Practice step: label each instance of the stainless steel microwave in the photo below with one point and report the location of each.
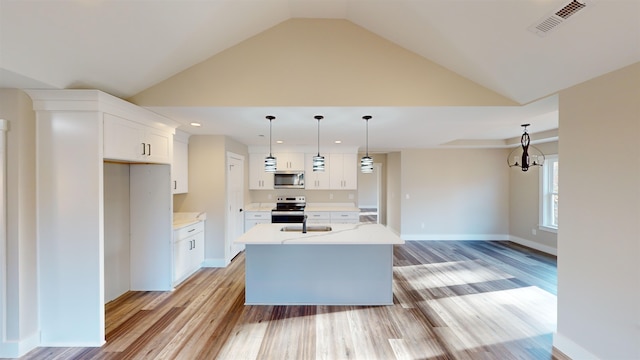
(288, 180)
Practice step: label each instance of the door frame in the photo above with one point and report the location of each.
(230, 235)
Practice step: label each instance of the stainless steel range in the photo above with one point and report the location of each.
(289, 209)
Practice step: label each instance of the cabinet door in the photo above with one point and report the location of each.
(344, 171)
(181, 264)
(316, 180)
(196, 254)
(180, 168)
(252, 218)
(290, 161)
(122, 139)
(159, 145)
(258, 178)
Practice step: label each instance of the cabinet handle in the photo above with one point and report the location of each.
(149, 146)
(191, 230)
(144, 149)
(175, 184)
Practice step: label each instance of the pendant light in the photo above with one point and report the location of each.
(318, 161)
(270, 161)
(526, 155)
(366, 163)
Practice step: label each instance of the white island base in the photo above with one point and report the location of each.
(351, 265)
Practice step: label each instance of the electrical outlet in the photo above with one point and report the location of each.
(330, 196)
(350, 196)
(533, 231)
(422, 225)
(407, 196)
(269, 196)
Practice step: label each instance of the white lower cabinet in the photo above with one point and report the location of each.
(345, 217)
(252, 218)
(318, 217)
(188, 251)
(332, 217)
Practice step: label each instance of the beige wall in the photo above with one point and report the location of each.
(454, 194)
(21, 279)
(394, 190)
(524, 201)
(317, 62)
(599, 241)
(208, 189)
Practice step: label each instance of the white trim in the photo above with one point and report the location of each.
(543, 182)
(16, 349)
(534, 245)
(570, 348)
(548, 229)
(453, 237)
(72, 344)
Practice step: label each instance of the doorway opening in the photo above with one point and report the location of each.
(370, 195)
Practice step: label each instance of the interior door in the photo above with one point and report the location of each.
(235, 202)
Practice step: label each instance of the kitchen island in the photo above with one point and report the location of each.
(352, 264)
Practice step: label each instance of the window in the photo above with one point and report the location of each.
(549, 194)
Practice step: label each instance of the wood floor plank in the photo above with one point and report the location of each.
(452, 300)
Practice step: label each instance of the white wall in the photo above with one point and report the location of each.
(117, 230)
(524, 200)
(21, 304)
(455, 194)
(599, 217)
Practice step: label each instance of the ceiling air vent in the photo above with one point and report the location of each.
(553, 20)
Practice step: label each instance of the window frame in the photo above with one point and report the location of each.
(547, 194)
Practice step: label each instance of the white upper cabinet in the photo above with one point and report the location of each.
(258, 178)
(290, 161)
(343, 171)
(131, 141)
(180, 164)
(316, 180)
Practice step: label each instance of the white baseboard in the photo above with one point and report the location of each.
(534, 245)
(453, 237)
(570, 348)
(16, 349)
(214, 263)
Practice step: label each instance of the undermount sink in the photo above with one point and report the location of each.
(310, 228)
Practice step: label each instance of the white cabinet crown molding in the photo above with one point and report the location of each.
(96, 100)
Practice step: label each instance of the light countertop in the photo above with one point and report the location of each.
(182, 219)
(347, 234)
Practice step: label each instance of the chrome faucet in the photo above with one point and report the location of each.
(304, 225)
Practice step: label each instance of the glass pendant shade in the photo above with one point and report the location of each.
(318, 161)
(366, 163)
(270, 162)
(526, 155)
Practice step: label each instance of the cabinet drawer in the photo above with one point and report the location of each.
(345, 217)
(318, 215)
(189, 230)
(257, 215)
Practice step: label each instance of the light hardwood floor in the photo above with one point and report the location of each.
(452, 300)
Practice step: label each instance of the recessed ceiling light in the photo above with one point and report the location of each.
(279, 141)
(196, 124)
(338, 141)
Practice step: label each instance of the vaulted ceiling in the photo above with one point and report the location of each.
(523, 50)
